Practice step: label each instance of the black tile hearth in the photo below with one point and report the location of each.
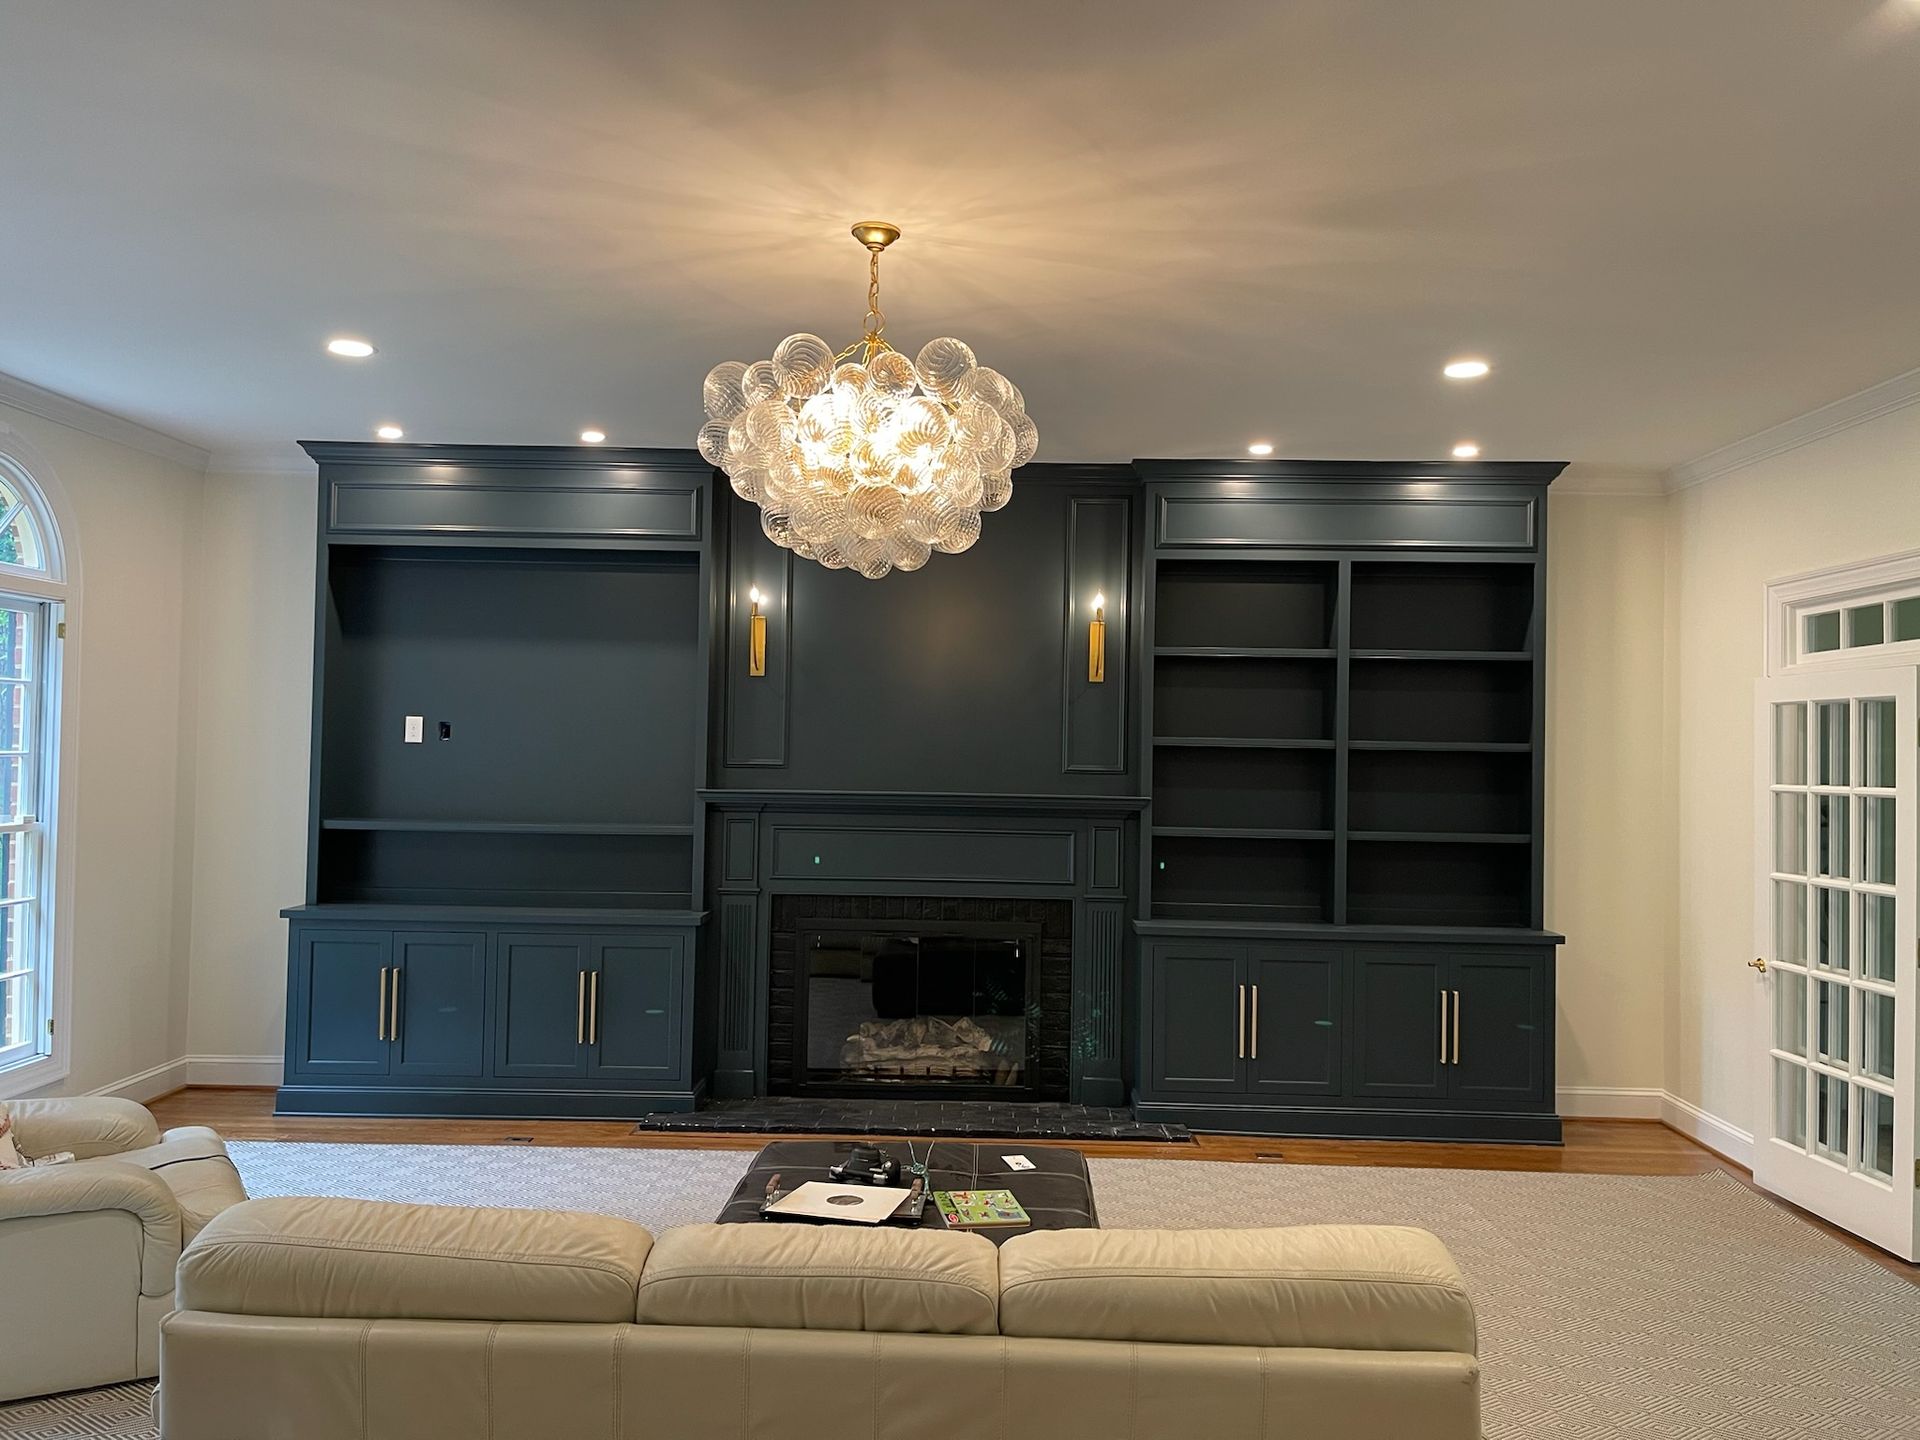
(782, 1115)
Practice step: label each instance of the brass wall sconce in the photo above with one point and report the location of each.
(1097, 642)
(756, 635)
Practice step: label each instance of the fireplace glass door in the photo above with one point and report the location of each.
(917, 1008)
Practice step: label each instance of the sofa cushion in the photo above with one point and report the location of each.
(192, 1162)
(821, 1277)
(1335, 1287)
(371, 1260)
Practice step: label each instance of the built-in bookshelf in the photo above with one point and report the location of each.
(560, 696)
(1344, 742)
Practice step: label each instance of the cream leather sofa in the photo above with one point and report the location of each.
(329, 1319)
(87, 1250)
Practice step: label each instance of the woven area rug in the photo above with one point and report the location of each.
(1610, 1306)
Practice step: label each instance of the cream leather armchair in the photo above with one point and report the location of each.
(326, 1319)
(88, 1250)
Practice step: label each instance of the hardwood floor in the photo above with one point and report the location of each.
(1593, 1147)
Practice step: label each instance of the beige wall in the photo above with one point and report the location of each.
(252, 607)
(1610, 866)
(132, 521)
(1850, 497)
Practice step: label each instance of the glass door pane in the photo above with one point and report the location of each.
(1877, 749)
(1790, 1103)
(1877, 937)
(1830, 754)
(1790, 832)
(1790, 923)
(1876, 1133)
(1876, 839)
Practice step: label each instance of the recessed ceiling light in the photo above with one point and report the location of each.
(1260, 447)
(390, 432)
(1466, 369)
(349, 348)
(592, 437)
(1466, 450)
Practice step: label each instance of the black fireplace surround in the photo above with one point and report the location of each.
(975, 994)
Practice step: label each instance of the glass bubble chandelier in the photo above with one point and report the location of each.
(863, 459)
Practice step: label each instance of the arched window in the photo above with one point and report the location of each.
(22, 518)
(33, 625)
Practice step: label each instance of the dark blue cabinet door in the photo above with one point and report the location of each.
(1397, 1034)
(441, 1006)
(1294, 1021)
(1500, 1023)
(541, 1006)
(636, 1008)
(340, 999)
(1197, 1018)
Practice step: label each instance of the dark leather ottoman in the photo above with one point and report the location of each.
(1057, 1192)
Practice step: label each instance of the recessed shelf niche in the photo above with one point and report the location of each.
(1243, 878)
(1442, 605)
(525, 801)
(1243, 788)
(1245, 605)
(1365, 757)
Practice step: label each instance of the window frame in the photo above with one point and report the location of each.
(54, 587)
(1792, 601)
(38, 720)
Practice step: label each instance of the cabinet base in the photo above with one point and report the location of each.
(1342, 1123)
(417, 1102)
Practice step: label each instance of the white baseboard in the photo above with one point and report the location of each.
(234, 1069)
(196, 1070)
(1710, 1130)
(1609, 1102)
(148, 1084)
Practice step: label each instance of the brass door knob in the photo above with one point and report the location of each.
(1759, 965)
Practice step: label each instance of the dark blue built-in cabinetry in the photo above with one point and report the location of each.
(1297, 827)
(1343, 740)
(501, 915)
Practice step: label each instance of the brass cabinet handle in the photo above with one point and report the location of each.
(1443, 1027)
(580, 1013)
(1253, 1028)
(393, 1003)
(380, 1015)
(593, 1007)
(1456, 1027)
(1240, 1020)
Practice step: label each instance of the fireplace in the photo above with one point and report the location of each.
(910, 997)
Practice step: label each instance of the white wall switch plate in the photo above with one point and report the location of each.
(416, 729)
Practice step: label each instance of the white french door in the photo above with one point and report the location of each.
(1835, 948)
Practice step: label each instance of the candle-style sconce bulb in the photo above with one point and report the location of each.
(1097, 642)
(756, 634)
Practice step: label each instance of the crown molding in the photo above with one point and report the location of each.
(1830, 419)
(1521, 472)
(287, 459)
(542, 457)
(101, 424)
(1609, 480)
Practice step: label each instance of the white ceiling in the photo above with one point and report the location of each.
(1179, 227)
